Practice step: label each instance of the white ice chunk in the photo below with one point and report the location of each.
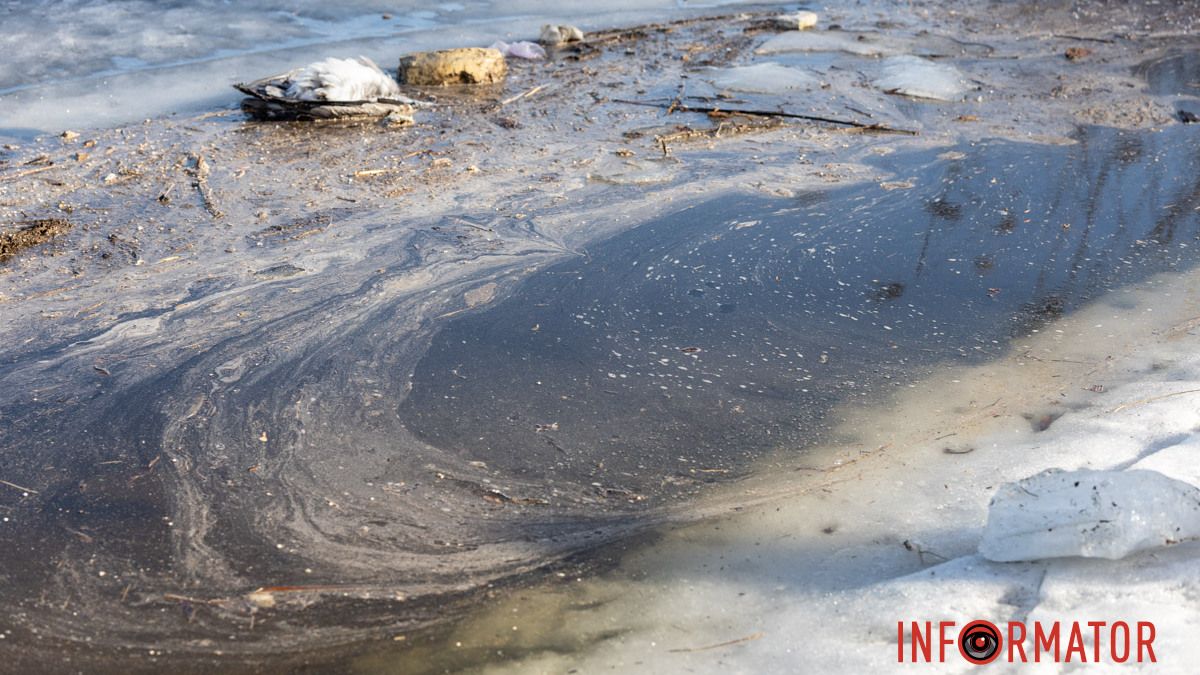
(762, 78)
(341, 80)
(921, 78)
(796, 20)
(1093, 514)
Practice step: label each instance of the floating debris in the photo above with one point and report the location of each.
(530, 51)
(1077, 53)
(261, 599)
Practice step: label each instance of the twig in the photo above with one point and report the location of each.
(554, 444)
(730, 643)
(26, 172)
(202, 185)
(1082, 38)
(173, 597)
(688, 133)
(18, 487)
(374, 172)
(1185, 326)
(1151, 399)
(709, 110)
(84, 537)
(922, 551)
(463, 221)
(518, 97)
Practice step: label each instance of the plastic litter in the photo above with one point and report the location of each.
(521, 50)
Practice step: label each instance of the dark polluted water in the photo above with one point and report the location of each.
(678, 351)
(373, 460)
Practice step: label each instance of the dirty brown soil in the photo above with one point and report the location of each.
(30, 234)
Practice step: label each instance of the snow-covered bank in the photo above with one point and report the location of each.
(819, 578)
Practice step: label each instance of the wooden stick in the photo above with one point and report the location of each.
(730, 643)
(1134, 404)
(1082, 38)
(523, 94)
(363, 173)
(676, 105)
(23, 489)
(26, 172)
(202, 186)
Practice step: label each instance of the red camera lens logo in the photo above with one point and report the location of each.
(979, 642)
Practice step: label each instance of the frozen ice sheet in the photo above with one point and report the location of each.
(831, 41)
(762, 78)
(921, 78)
(1092, 514)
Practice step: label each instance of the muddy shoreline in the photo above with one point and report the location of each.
(205, 379)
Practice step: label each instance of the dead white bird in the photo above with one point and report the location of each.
(341, 80)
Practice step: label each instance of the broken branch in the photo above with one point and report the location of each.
(718, 112)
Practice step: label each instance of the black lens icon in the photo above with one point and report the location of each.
(979, 642)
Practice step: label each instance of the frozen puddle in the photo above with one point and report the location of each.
(763, 78)
(921, 78)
